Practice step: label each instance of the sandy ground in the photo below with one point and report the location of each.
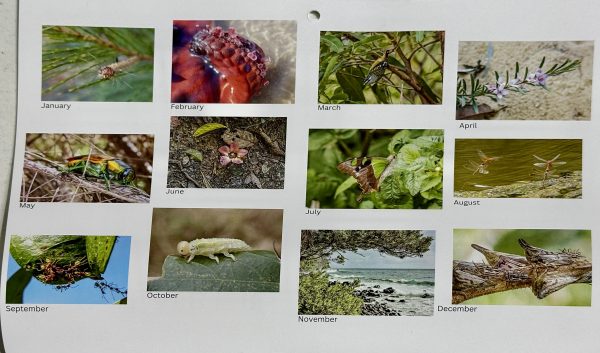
(568, 96)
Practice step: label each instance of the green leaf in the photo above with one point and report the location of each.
(318, 139)
(410, 153)
(15, 286)
(197, 155)
(98, 249)
(430, 181)
(413, 183)
(370, 39)
(419, 36)
(351, 83)
(27, 249)
(333, 42)
(347, 184)
(367, 204)
(254, 271)
(206, 128)
(328, 70)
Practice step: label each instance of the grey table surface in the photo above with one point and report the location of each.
(8, 96)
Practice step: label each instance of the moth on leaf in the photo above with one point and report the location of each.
(369, 172)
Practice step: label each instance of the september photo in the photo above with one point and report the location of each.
(68, 269)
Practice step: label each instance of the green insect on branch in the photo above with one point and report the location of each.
(544, 271)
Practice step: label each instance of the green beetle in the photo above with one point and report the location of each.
(103, 167)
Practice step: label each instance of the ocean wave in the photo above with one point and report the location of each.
(422, 282)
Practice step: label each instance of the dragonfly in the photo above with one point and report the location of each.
(482, 167)
(548, 165)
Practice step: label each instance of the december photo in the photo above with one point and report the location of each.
(68, 269)
(548, 267)
(367, 272)
(97, 64)
(233, 62)
(375, 168)
(227, 152)
(215, 250)
(550, 80)
(381, 67)
(518, 168)
(98, 168)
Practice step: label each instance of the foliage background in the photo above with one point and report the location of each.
(414, 77)
(415, 180)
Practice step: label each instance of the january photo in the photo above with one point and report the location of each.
(99, 64)
(367, 272)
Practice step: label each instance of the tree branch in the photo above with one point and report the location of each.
(117, 192)
(543, 271)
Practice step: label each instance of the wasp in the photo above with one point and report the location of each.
(102, 167)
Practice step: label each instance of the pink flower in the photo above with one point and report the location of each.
(232, 154)
(498, 88)
(537, 78)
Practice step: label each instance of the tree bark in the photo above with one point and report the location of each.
(543, 271)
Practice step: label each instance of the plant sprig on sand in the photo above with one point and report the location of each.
(467, 91)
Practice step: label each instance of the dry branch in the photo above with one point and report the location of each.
(117, 193)
(543, 271)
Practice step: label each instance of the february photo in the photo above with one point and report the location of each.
(68, 269)
(97, 168)
(375, 168)
(547, 267)
(367, 272)
(549, 80)
(215, 250)
(222, 61)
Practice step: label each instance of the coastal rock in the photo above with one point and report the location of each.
(388, 290)
(427, 295)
